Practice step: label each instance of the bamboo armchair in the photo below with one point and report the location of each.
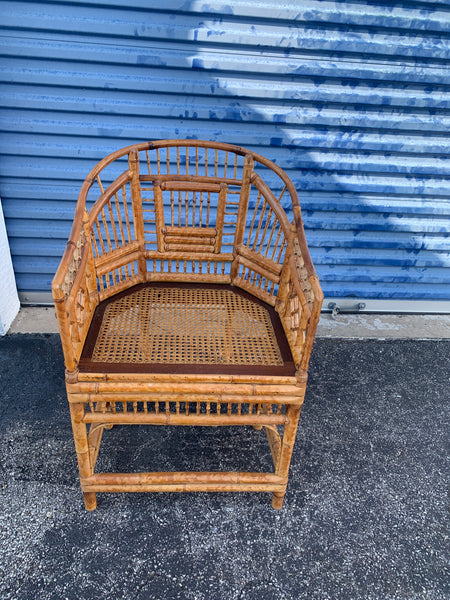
(186, 297)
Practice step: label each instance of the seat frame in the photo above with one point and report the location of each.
(185, 212)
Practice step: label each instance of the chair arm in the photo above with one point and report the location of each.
(299, 300)
(74, 290)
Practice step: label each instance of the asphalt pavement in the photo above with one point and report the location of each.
(365, 515)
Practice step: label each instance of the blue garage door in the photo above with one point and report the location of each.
(350, 98)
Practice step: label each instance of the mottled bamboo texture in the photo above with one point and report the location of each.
(186, 211)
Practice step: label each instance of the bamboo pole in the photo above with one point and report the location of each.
(94, 440)
(186, 477)
(110, 263)
(194, 256)
(82, 450)
(159, 215)
(242, 210)
(136, 201)
(203, 232)
(274, 440)
(116, 254)
(252, 289)
(257, 267)
(186, 387)
(206, 249)
(155, 396)
(192, 378)
(123, 486)
(190, 178)
(201, 420)
(64, 330)
(186, 277)
(220, 218)
(190, 186)
(91, 275)
(285, 454)
(120, 287)
(262, 261)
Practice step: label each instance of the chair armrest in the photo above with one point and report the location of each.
(299, 299)
(74, 290)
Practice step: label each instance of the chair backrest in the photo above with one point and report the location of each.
(190, 211)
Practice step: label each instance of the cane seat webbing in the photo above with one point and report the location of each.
(182, 326)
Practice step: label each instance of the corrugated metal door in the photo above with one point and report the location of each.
(352, 99)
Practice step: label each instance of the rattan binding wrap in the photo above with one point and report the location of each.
(186, 296)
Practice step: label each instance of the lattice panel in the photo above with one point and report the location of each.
(183, 160)
(114, 227)
(187, 326)
(197, 407)
(264, 233)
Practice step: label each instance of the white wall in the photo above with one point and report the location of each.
(9, 300)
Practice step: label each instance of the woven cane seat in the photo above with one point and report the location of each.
(186, 327)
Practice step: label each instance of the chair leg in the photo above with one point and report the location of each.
(82, 449)
(277, 500)
(287, 446)
(90, 500)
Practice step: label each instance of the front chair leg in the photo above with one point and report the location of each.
(277, 500)
(82, 449)
(287, 446)
(90, 500)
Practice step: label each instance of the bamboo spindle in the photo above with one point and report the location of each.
(242, 210)
(138, 217)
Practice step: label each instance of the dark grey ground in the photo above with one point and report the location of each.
(364, 517)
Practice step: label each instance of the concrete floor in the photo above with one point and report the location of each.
(361, 326)
(365, 515)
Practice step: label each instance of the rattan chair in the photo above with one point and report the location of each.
(186, 297)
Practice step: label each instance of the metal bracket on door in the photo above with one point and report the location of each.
(336, 309)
